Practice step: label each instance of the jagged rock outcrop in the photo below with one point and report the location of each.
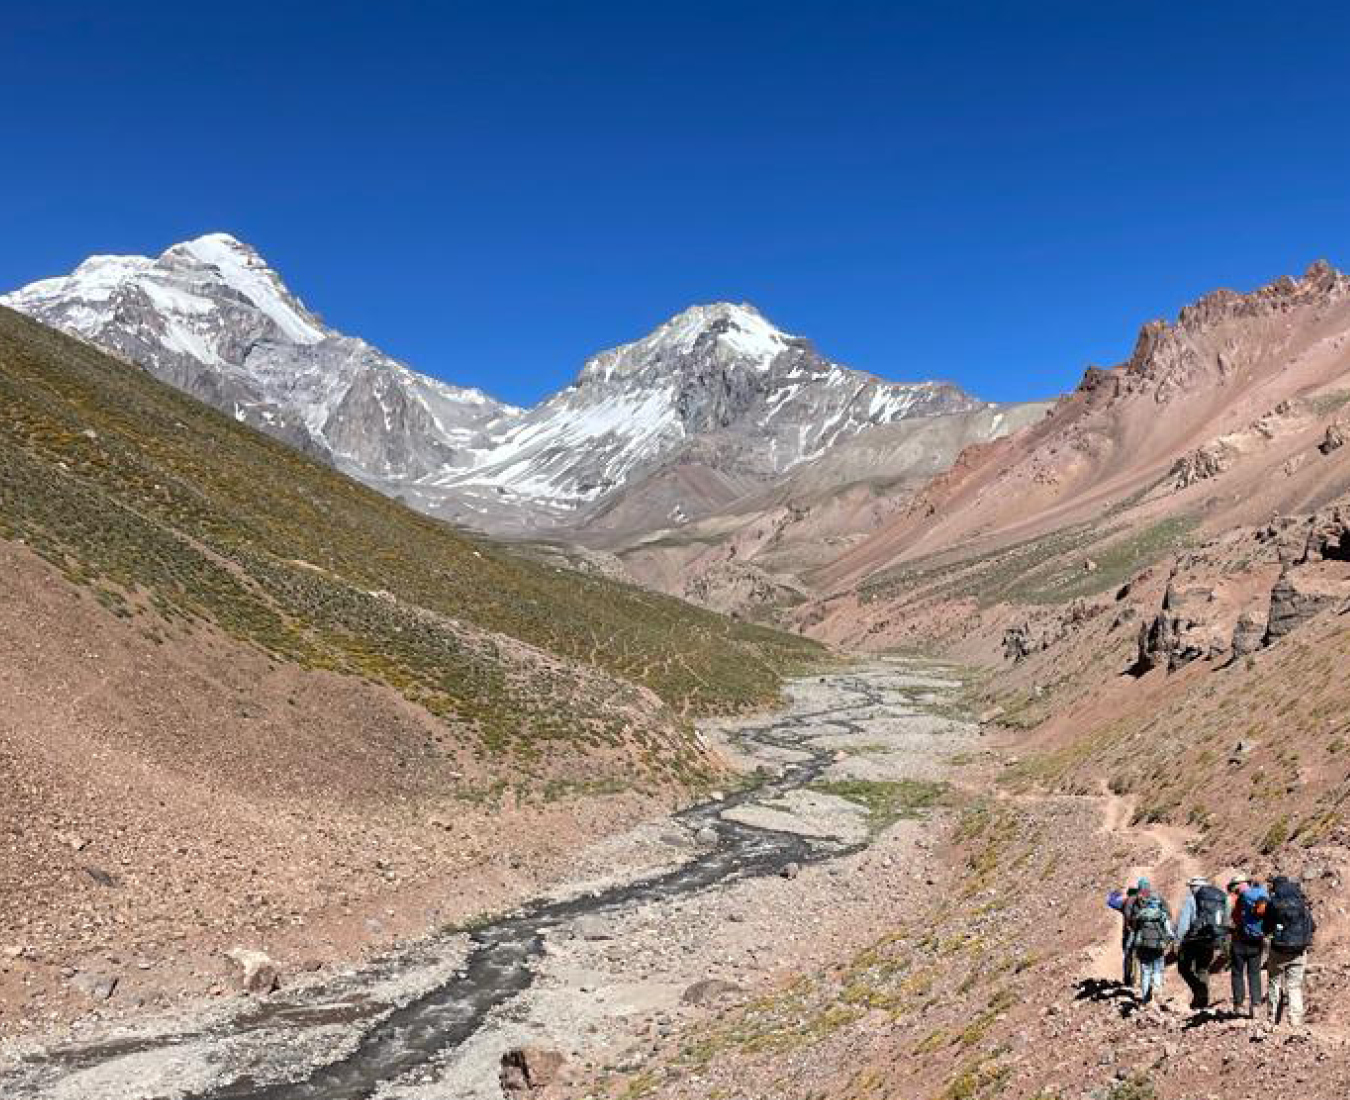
(1249, 634)
(1328, 535)
(1184, 630)
(1298, 596)
(1017, 643)
(1171, 358)
(1204, 462)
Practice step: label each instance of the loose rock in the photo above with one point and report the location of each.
(527, 1070)
(258, 974)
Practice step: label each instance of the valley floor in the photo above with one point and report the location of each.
(823, 847)
(885, 906)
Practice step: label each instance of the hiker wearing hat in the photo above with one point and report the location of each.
(1248, 905)
(1202, 929)
(1150, 936)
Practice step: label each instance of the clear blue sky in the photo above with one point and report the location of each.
(992, 193)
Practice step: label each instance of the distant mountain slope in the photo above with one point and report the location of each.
(750, 552)
(1227, 361)
(179, 519)
(212, 318)
(719, 381)
(1230, 416)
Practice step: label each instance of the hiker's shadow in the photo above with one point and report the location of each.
(1105, 990)
(1203, 1016)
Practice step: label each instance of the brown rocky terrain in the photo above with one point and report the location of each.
(247, 703)
(1149, 590)
(166, 803)
(750, 554)
(1155, 579)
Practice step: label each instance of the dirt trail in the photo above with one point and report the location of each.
(1169, 866)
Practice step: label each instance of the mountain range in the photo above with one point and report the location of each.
(249, 699)
(717, 386)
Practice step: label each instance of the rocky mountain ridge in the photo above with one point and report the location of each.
(212, 318)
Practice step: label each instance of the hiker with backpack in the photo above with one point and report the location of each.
(1248, 948)
(1122, 901)
(1289, 924)
(1202, 929)
(1150, 936)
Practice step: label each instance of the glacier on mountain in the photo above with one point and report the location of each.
(719, 381)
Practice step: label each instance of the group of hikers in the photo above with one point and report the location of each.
(1248, 928)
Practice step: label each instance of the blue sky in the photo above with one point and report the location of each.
(992, 193)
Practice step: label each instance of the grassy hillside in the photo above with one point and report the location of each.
(173, 513)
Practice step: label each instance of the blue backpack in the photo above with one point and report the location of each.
(1252, 912)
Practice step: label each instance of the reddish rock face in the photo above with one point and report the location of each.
(529, 1070)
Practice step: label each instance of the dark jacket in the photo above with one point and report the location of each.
(1287, 895)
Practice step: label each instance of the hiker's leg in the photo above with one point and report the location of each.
(1254, 975)
(1237, 972)
(1193, 964)
(1204, 961)
(1293, 987)
(1153, 976)
(1128, 967)
(1186, 963)
(1274, 984)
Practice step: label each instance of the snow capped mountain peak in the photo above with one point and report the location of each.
(732, 334)
(717, 381)
(240, 267)
(742, 328)
(210, 316)
(717, 377)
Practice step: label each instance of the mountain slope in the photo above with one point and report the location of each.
(1215, 416)
(751, 553)
(210, 317)
(247, 699)
(719, 381)
(157, 502)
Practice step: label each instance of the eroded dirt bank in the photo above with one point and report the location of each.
(822, 849)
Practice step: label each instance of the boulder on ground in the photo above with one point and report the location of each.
(95, 986)
(527, 1070)
(258, 973)
(709, 990)
(102, 877)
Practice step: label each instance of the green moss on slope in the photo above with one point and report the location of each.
(156, 501)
